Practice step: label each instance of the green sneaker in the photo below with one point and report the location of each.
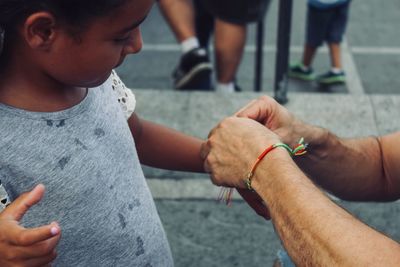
(297, 71)
(332, 78)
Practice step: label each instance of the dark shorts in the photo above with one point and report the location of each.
(326, 25)
(236, 11)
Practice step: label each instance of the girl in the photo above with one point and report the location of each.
(62, 126)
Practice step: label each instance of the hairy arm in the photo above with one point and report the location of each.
(314, 230)
(165, 148)
(353, 169)
(362, 169)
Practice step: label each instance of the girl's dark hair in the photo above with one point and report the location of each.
(74, 13)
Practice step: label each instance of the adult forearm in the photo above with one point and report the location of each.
(350, 168)
(314, 230)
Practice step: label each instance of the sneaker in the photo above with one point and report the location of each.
(297, 71)
(238, 88)
(332, 78)
(193, 71)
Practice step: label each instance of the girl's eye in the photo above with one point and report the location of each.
(122, 40)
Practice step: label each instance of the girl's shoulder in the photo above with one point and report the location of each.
(125, 96)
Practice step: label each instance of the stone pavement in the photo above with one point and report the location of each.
(203, 233)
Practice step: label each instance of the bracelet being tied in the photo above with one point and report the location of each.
(300, 149)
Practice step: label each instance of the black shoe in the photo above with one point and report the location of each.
(194, 71)
(238, 88)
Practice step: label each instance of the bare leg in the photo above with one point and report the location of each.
(230, 40)
(334, 49)
(308, 55)
(180, 17)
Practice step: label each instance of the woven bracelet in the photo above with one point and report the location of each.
(298, 150)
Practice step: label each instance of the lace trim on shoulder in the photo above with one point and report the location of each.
(126, 98)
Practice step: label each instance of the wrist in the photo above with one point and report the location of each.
(270, 168)
(315, 137)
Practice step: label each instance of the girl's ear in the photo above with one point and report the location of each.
(39, 30)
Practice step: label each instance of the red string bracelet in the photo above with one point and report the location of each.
(300, 149)
(247, 181)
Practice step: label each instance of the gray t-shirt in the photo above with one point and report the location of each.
(95, 188)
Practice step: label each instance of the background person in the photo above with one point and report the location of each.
(192, 24)
(326, 22)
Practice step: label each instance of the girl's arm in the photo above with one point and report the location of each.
(165, 148)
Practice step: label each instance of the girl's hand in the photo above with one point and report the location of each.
(26, 247)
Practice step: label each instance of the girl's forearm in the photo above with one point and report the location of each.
(165, 148)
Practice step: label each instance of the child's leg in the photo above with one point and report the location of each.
(335, 33)
(334, 36)
(335, 54)
(308, 55)
(317, 26)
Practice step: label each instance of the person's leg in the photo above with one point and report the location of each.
(335, 34)
(335, 54)
(316, 26)
(204, 23)
(194, 68)
(308, 55)
(180, 17)
(230, 40)
(334, 38)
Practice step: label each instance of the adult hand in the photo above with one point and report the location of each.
(26, 247)
(232, 148)
(275, 117)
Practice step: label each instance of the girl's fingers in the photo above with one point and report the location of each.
(20, 236)
(41, 261)
(17, 209)
(40, 249)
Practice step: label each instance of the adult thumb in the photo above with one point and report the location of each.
(17, 209)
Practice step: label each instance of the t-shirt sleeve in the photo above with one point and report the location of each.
(125, 96)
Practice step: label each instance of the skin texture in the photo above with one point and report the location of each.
(314, 230)
(50, 70)
(334, 53)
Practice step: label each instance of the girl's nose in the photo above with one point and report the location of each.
(135, 43)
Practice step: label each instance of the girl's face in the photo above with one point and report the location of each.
(101, 47)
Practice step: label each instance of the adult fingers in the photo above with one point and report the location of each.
(258, 110)
(17, 209)
(20, 236)
(255, 202)
(251, 103)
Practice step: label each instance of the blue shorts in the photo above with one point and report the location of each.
(326, 25)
